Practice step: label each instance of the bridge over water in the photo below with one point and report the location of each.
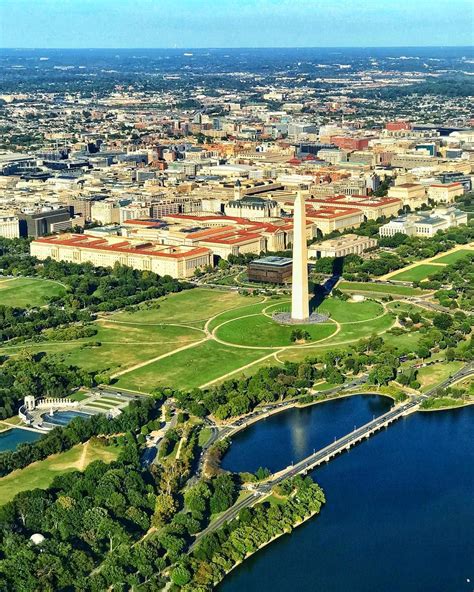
(259, 491)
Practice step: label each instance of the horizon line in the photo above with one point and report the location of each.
(249, 47)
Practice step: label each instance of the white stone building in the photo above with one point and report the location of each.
(425, 223)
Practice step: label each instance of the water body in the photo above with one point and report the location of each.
(399, 514)
(62, 418)
(10, 439)
(291, 435)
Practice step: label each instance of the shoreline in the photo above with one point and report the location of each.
(274, 538)
(448, 407)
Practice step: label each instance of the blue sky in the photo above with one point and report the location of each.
(234, 23)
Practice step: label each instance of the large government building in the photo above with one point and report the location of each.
(176, 261)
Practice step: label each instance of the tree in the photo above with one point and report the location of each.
(165, 507)
(223, 495)
(180, 575)
(196, 499)
(442, 321)
(382, 374)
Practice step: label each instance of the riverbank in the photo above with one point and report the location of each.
(299, 403)
(288, 505)
(263, 545)
(445, 404)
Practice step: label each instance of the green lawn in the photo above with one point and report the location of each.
(417, 273)
(28, 292)
(399, 306)
(453, 257)
(256, 307)
(432, 375)
(246, 372)
(190, 368)
(404, 344)
(204, 436)
(355, 331)
(342, 311)
(190, 306)
(345, 311)
(41, 474)
(79, 396)
(263, 331)
(324, 386)
(378, 288)
(121, 346)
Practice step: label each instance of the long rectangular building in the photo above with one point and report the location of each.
(177, 261)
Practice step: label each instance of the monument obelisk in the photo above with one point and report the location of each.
(299, 289)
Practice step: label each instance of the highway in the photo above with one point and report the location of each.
(462, 373)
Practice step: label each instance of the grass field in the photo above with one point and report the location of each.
(262, 331)
(28, 292)
(243, 311)
(432, 375)
(122, 346)
(41, 474)
(453, 257)
(355, 331)
(417, 273)
(350, 312)
(247, 331)
(128, 343)
(406, 343)
(190, 368)
(191, 306)
(324, 386)
(378, 288)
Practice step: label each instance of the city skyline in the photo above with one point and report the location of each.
(262, 23)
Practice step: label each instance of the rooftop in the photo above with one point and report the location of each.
(274, 261)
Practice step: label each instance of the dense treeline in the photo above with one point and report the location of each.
(236, 397)
(219, 552)
(89, 290)
(94, 522)
(39, 375)
(16, 323)
(448, 86)
(84, 517)
(135, 415)
(460, 277)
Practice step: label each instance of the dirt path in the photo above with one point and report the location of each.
(224, 376)
(81, 463)
(164, 324)
(146, 362)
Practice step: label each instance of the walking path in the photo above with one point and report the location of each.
(152, 360)
(225, 376)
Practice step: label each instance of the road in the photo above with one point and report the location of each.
(462, 373)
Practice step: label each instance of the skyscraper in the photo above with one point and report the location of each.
(299, 290)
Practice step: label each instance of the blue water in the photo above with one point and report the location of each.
(399, 515)
(62, 418)
(292, 435)
(9, 440)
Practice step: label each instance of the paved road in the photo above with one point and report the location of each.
(462, 373)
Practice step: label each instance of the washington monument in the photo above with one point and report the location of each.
(299, 290)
